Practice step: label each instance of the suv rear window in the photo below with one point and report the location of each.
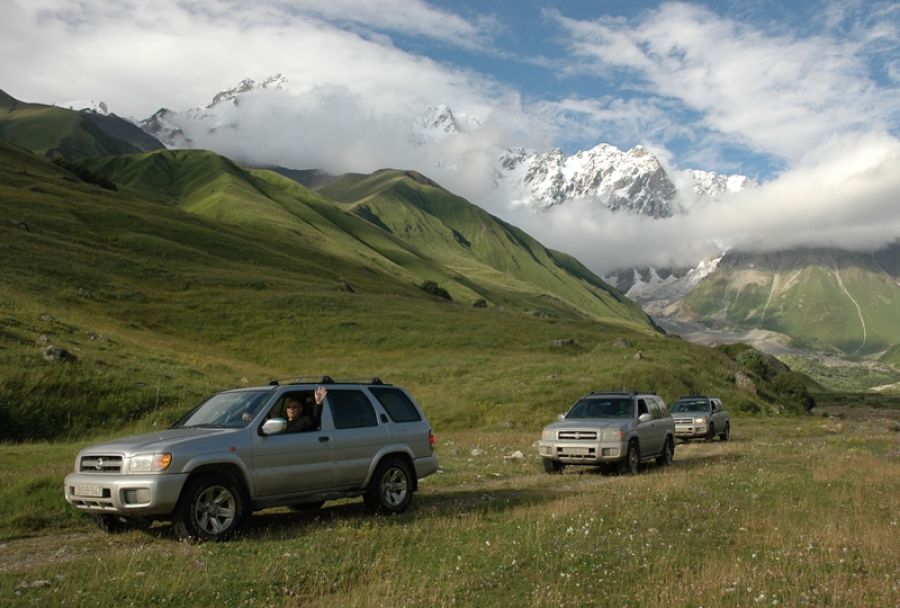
(351, 409)
(396, 404)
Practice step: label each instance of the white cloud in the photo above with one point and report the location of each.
(845, 197)
(772, 92)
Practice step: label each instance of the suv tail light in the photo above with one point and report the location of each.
(431, 439)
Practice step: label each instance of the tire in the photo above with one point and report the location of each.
(391, 488)
(632, 462)
(711, 434)
(552, 466)
(212, 508)
(115, 524)
(668, 454)
(726, 434)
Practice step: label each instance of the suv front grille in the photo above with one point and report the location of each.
(100, 464)
(578, 435)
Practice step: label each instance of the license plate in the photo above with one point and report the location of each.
(577, 451)
(89, 489)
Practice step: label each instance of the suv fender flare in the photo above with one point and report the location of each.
(393, 450)
(212, 462)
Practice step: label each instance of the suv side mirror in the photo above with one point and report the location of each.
(273, 426)
(561, 417)
(645, 418)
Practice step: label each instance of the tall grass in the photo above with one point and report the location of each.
(792, 512)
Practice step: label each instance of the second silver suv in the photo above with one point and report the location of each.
(235, 453)
(619, 429)
(701, 417)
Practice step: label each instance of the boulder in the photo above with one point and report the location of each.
(58, 353)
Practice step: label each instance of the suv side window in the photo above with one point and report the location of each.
(642, 407)
(654, 409)
(396, 404)
(351, 409)
(663, 410)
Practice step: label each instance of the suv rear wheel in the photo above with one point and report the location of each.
(668, 454)
(212, 507)
(391, 488)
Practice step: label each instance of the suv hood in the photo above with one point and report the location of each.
(588, 423)
(150, 442)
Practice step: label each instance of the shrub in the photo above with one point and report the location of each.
(85, 174)
(754, 362)
(791, 388)
(435, 290)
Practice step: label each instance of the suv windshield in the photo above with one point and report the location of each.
(233, 410)
(691, 405)
(602, 408)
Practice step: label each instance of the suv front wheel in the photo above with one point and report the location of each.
(212, 508)
(632, 463)
(391, 488)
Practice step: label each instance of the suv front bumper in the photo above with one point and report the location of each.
(137, 495)
(583, 452)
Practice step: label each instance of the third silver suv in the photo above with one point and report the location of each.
(619, 429)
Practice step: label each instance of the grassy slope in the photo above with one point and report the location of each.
(808, 302)
(163, 306)
(49, 130)
(477, 245)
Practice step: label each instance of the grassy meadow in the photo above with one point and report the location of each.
(794, 511)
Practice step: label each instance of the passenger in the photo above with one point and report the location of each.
(300, 418)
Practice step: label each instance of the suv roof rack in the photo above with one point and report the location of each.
(375, 380)
(628, 393)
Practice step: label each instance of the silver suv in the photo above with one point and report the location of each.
(701, 417)
(620, 429)
(235, 453)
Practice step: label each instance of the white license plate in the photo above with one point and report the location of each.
(578, 451)
(88, 489)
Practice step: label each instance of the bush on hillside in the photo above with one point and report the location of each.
(435, 290)
(791, 388)
(85, 174)
(754, 362)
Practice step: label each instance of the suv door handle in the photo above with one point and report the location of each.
(324, 439)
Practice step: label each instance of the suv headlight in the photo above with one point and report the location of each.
(701, 420)
(150, 463)
(612, 435)
(547, 435)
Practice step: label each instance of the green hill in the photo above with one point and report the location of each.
(824, 299)
(53, 132)
(161, 305)
(399, 222)
(494, 257)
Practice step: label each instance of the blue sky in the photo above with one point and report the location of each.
(801, 96)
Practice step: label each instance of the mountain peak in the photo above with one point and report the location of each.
(275, 81)
(84, 105)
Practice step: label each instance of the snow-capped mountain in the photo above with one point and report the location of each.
(709, 184)
(633, 180)
(654, 289)
(174, 128)
(437, 122)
